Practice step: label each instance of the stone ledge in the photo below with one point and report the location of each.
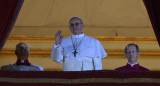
(110, 31)
(45, 53)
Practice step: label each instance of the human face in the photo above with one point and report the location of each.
(76, 26)
(132, 54)
(22, 51)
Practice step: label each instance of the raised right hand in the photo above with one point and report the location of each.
(58, 37)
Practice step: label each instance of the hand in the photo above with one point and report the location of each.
(58, 37)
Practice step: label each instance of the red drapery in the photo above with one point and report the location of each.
(79, 78)
(9, 10)
(153, 8)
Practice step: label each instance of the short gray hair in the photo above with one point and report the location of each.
(22, 43)
(132, 44)
(78, 18)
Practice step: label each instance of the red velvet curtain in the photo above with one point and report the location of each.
(9, 10)
(153, 8)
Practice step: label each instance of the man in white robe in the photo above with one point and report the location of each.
(22, 64)
(77, 52)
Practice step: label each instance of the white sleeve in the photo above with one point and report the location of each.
(57, 53)
(41, 68)
(97, 63)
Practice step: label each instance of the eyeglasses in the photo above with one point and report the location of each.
(76, 24)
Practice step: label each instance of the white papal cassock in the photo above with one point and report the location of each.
(88, 56)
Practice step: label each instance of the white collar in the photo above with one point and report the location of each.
(133, 64)
(78, 36)
(22, 61)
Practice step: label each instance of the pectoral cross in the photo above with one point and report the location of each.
(75, 52)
